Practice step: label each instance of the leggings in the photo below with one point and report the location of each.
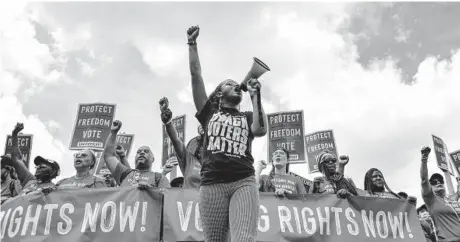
(230, 206)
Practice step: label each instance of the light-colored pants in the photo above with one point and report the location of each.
(230, 206)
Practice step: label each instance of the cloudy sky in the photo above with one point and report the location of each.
(383, 76)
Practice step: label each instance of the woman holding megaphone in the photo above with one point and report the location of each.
(444, 211)
(229, 199)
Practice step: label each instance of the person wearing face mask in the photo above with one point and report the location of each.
(10, 187)
(189, 164)
(376, 186)
(332, 181)
(428, 227)
(444, 211)
(280, 181)
(142, 176)
(45, 169)
(84, 161)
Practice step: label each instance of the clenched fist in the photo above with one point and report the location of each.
(166, 114)
(192, 33)
(18, 128)
(343, 160)
(253, 87)
(116, 126)
(425, 153)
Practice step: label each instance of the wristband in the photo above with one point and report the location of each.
(191, 43)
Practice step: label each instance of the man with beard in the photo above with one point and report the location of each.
(10, 187)
(46, 170)
(375, 185)
(142, 176)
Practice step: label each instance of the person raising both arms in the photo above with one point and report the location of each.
(189, 165)
(229, 199)
(142, 176)
(83, 161)
(279, 180)
(45, 169)
(332, 181)
(444, 211)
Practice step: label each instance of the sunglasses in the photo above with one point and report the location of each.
(329, 161)
(435, 182)
(80, 155)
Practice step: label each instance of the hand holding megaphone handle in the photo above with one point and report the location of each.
(259, 108)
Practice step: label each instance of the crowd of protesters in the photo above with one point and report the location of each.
(218, 162)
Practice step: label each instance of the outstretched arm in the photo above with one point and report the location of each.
(198, 89)
(110, 154)
(259, 119)
(179, 146)
(16, 155)
(426, 188)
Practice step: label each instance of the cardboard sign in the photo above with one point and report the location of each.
(25, 146)
(92, 126)
(455, 157)
(317, 142)
(440, 152)
(286, 130)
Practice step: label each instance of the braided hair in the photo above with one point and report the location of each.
(214, 98)
(339, 180)
(270, 185)
(368, 182)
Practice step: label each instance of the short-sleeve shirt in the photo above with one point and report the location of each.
(73, 182)
(285, 181)
(10, 188)
(446, 216)
(226, 146)
(323, 186)
(190, 167)
(34, 184)
(126, 176)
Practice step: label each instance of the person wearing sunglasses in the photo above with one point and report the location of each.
(45, 169)
(141, 177)
(279, 180)
(332, 181)
(444, 211)
(83, 162)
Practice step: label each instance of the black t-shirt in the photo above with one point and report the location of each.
(226, 156)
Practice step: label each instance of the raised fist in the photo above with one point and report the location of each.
(192, 33)
(120, 151)
(425, 153)
(18, 128)
(262, 164)
(343, 160)
(164, 104)
(116, 126)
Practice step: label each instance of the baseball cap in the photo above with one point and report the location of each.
(176, 181)
(422, 207)
(437, 176)
(40, 160)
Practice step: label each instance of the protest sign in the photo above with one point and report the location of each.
(440, 152)
(25, 146)
(168, 152)
(92, 126)
(455, 157)
(317, 142)
(303, 218)
(97, 215)
(286, 130)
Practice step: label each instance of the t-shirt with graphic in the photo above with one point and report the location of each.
(126, 176)
(227, 145)
(381, 195)
(190, 167)
(282, 181)
(446, 216)
(323, 186)
(74, 182)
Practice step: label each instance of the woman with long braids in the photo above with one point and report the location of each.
(375, 185)
(332, 182)
(279, 180)
(229, 198)
(444, 211)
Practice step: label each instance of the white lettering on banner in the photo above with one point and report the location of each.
(123, 139)
(264, 220)
(320, 147)
(322, 135)
(290, 146)
(96, 108)
(285, 133)
(22, 141)
(285, 118)
(87, 134)
(103, 216)
(93, 122)
(228, 134)
(184, 218)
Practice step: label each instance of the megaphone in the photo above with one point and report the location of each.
(258, 69)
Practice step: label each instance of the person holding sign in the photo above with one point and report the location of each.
(45, 170)
(280, 181)
(444, 211)
(229, 198)
(84, 161)
(189, 165)
(333, 182)
(141, 177)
